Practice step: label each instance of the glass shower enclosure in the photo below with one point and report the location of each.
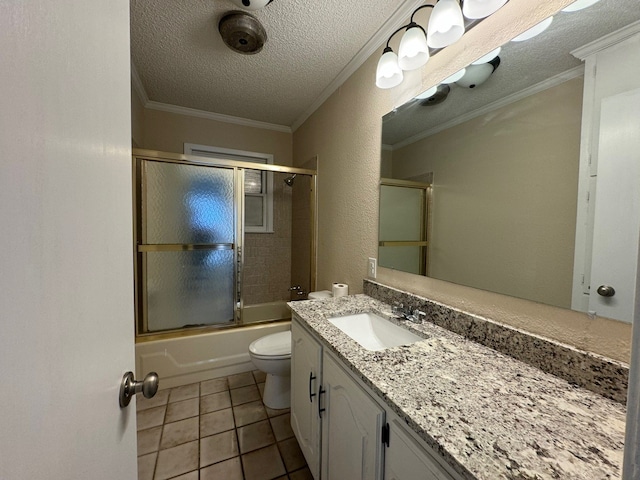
(189, 215)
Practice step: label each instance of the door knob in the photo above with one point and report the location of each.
(130, 386)
(606, 291)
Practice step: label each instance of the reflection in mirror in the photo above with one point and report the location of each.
(504, 160)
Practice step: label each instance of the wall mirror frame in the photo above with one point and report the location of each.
(512, 165)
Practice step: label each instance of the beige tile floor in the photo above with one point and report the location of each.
(218, 429)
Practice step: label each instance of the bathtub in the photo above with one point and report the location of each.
(265, 312)
(189, 359)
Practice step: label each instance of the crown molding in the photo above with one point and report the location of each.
(398, 19)
(138, 87)
(503, 102)
(607, 41)
(219, 117)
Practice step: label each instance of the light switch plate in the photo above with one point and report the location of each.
(372, 268)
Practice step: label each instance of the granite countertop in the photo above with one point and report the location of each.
(489, 416)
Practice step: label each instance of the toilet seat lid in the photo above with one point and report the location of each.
(276, 344)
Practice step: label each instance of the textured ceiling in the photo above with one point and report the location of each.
(181, 59)
(522, 65)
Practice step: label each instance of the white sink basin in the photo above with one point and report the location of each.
(374, 332)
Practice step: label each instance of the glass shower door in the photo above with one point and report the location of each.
(403, 226)
(187, 245)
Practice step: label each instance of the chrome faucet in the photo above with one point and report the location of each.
(413, 315)
(299, 291)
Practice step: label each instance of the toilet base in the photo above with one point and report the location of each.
(277, 391)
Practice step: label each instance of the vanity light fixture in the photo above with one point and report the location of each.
(446, 26)
(388, 74)
(413, 51)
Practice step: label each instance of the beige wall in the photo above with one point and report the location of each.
(345, 133)
(168, 132)
(505, 195)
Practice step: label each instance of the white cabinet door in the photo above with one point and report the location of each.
(306, 364)
(617, 211)
(351, 428)
(405, 459)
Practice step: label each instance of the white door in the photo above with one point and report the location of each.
(351, 428)
(617, 208)
(66, 299)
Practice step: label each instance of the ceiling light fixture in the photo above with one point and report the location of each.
(242, 32)
(475, 9)
(446, 26)
(252, 4)
(489, 56)
(427, 93)
(533, 31)
(455, 77)
(579, 5)
(476, 75)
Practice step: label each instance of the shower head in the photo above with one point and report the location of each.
(289, 180)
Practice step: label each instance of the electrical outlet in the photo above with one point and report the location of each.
(372, 268)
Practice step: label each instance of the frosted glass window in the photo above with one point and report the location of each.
(253, 208)
(187, 204)
(253, 182)
(186, 289)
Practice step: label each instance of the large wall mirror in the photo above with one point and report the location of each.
(490, 172)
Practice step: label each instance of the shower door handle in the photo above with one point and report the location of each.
(130, 387)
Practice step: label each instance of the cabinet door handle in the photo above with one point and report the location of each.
(311, 394)
(320, 392)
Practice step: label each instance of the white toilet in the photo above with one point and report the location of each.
(272, 354)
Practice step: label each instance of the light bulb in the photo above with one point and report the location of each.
(388, 74)
(446, 25)
(413, 51)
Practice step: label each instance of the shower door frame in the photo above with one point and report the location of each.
(139, 155)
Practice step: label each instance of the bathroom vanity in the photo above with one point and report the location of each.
(443, 407)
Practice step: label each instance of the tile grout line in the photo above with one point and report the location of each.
(227, 389)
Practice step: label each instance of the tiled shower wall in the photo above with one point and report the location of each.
(301, 233)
